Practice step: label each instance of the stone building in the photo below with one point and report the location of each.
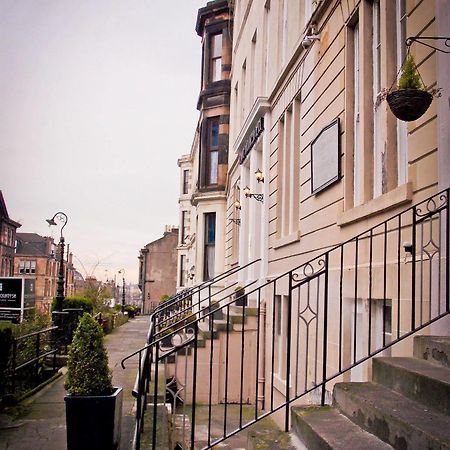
(158, 269)
(8, 229)
(38, 256)
(333, 214)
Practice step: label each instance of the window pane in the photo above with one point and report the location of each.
(215, 133)
(213, 167)
(211, 228)
(216, 45)
(216, 69)
(185, 181)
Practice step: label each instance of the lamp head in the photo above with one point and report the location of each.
(247, 191)
(259, 176)
(237, 204)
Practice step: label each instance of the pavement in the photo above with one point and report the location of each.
(39, 422)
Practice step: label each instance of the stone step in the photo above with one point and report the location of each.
(435, 349)
(269, 440)
(324, 428)
(395, 419)
(416, 379)
(222, 325)
(205, 331)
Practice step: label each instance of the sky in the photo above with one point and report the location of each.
(97, 103)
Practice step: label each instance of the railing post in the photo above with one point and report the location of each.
(413, 271)
(155, 398)
(288, 354)
(38, 338)
(447, 251)
(194, 384)
(325, 330)
(14, 362)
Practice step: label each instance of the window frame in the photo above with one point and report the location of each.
(215, 58)
(209, 178)
(209, 266)
(185, 186)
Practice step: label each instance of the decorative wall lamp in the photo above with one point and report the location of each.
(257, 197)
(237, 204)
(259, 176)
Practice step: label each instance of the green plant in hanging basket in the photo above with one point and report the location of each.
(411, 99)
(410, 77)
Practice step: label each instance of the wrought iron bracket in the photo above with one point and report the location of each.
(419, 40)
(236, 221)
(257, 197)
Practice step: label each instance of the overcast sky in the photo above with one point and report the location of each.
(97, 102)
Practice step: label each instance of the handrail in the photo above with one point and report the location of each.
(141, 385)
(374, 291)
(34, 333)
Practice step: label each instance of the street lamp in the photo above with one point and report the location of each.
(122, 271)
(62, 218)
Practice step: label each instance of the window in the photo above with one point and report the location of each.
(184, 227)
(376, 140)
(212, 151)
(210, 244)
(27, 267)
(378, 162)
(215, 48)
(357, 151)
(185, 181)
(183, 270)
(402, 128)
(281, 305)
(288, 171)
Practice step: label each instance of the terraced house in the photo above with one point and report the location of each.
(314, 245)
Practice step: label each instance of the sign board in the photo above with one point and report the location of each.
(16, 295)
(251, 140)
(325, 158)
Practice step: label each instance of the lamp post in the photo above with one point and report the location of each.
(122, 271)
(62, 218)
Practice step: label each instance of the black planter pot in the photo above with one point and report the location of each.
(94, 422)
(241, 299)
(409, 104)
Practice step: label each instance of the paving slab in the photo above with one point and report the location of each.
(39, 422)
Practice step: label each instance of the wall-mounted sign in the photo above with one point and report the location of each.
(17, 294)
(325, 158)
(251, 140)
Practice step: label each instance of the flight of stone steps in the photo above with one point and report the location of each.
(405, 407)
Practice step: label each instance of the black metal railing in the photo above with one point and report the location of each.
(298, 333)
(29, 351)
(188, 304)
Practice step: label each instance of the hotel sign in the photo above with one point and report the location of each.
(251, 140)
(16, 295)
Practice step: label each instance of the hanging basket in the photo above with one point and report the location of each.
(409, 104)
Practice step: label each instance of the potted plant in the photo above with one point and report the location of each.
(411, 99)
(93, 405)
(217, 312)
(239, 296)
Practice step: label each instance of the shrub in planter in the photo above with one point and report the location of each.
(215, 308)
(239, 296)
(93, 405)
(131, 310)
(76, 302)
